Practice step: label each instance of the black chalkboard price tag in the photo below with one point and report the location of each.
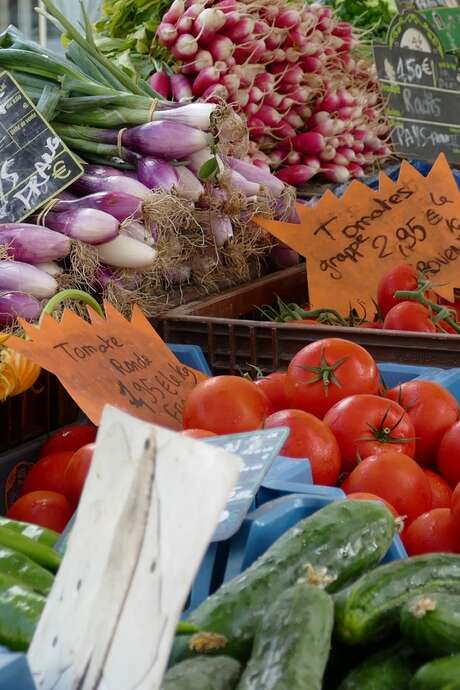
(35, 164)
(421, 86)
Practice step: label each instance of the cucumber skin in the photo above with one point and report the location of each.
(369, 609)
(440, 674)
(20, 611)
(346, 537)
(390, 669)
(26, 572)
(437, 633)
(292, 644)
(203, 673)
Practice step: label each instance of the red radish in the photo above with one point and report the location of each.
(293, 75)
(241, 31)
(180, 88)
(206, 78)
(242, 98)
(336, 173)
(227, 6)
(175, 12)
(294, 120)
(284, 130)
(233, 19)
(274, 40)
(342, 29)
(264, 81)
(194, 10)
(231, 83)
(328, 153)
(251, 109)
(160, 83)
(221, 47)
(277, 157)
(296, 174)
(287, 103)
(215, 93)
(331, 102)
(293, 158)
(347, 152)
(184, 25)
(356, 170)
(269, 115)
(326, 128)
(185, 47)
(309, 142)
(310, 64)
(167, 34)
(274, 99)
(312, 162)
(256, 127)
(287, 19)
(318, 117)
(211, 20)
(304, 111)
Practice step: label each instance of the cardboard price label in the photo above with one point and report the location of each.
(350, 242)
(112, 361)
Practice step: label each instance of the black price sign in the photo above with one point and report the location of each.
(35, 164)
(421, 85)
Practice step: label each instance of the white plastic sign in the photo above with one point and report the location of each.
(150, 506)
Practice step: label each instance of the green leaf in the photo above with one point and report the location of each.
(209, 169)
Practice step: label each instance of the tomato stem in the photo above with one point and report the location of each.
(325, 372)
(443, 313)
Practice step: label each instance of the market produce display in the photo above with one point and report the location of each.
(312, 103)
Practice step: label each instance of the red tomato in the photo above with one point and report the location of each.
(69, 438)
(225, 405)
(327, 371)
(197, 433)
(402, 277)
(448, 459)
(456, 505)
(440, 490)
(432, 409)
(396, 478)
(409, 316)
(76, 473)
(274, 386)
(369, 425)
(434, 531)
(45, 508)
(47, 474)
(309, 438)
(362, 496)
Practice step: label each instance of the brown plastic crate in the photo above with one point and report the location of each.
(43, 408)
(231, 343)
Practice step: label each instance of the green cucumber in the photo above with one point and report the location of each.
(20, 611)
(25, 571)
(203, 673)
(42, 535)
(40, 553)
(369, 609)
(339, 542)
(390, 669)
(440, 674)
(292, 644)
(431, 623)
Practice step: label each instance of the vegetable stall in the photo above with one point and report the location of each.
(238, 225)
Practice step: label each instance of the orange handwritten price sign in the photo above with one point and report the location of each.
(350, 242)
(112, 361)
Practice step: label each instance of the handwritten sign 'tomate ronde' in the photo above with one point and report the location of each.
(350, 242)
(112, 361)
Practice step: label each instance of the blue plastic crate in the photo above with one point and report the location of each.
(266, 524)
(14, 671)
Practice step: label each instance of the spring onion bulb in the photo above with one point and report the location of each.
(188, 186)
(117, 204)
(193, 115)
(51, 267)
(84, 224)
(91, 184)
(136, 230)
(170, 140)
(257, 175)
(156, 173)
(221, 229)
(199, 158)
(125, 252)
(22, 277)
(18, 304)
(33, 243)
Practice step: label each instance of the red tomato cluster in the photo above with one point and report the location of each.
(401, 446)
(52, 488)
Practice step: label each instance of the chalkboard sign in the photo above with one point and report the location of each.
(421, 86)
(257, 450)
(35, 165)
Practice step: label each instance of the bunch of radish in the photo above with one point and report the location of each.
(312, 106)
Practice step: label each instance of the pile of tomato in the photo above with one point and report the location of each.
(401, 445)
(52, 488)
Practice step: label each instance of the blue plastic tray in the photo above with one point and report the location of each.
(14, 671)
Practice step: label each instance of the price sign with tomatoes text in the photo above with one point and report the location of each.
(350, 242)
(112, 361)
